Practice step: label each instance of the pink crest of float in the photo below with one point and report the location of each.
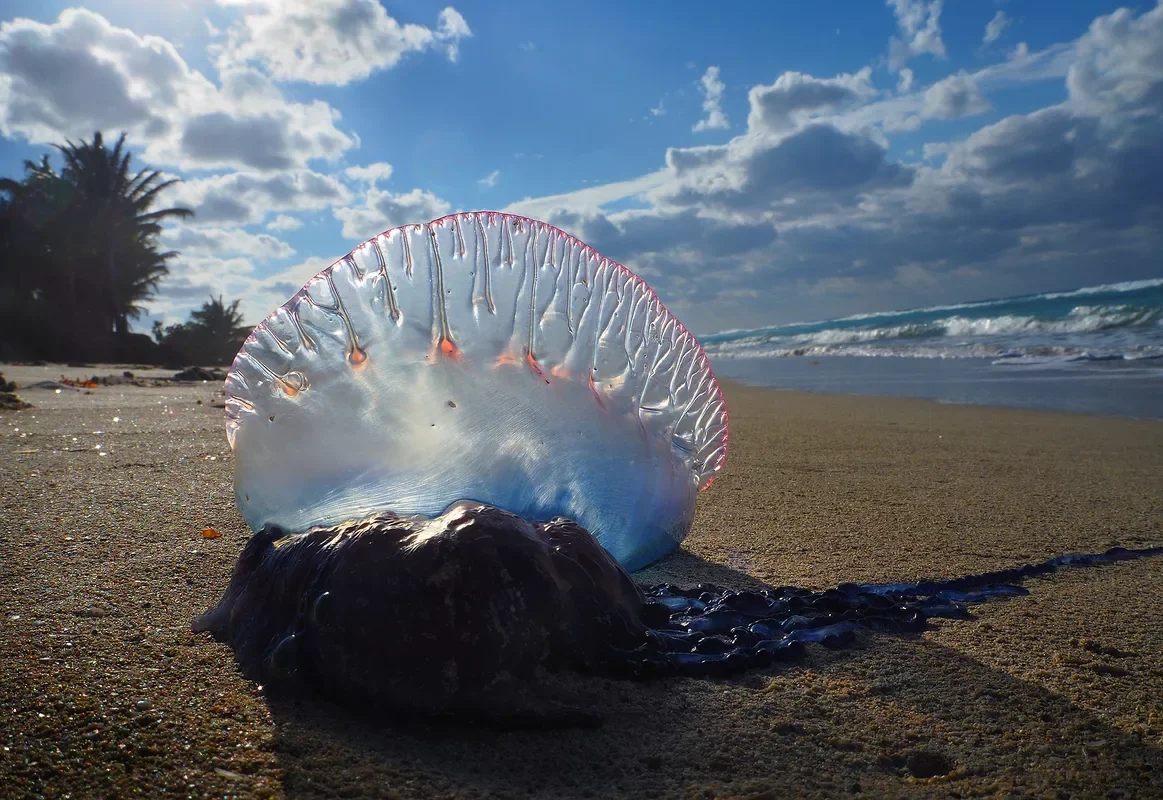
(482, 356)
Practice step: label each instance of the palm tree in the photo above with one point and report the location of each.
(221, 323)
(213, 334)
(38, 232)
(115, 206)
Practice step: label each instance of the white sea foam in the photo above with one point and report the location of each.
(1125, 286)
(741, 334)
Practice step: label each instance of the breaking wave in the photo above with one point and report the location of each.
(1112, 322)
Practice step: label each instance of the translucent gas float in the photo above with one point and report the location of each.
(481, 357)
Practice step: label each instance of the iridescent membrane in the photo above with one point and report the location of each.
(480, 357)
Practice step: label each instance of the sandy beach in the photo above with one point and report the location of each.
(106, 693)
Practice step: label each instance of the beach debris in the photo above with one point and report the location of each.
(232, 776)
(924, 764)
(210, 533)
(200, 374)
(80, 383)
(9, 400)
(94, 610)
(86, 385)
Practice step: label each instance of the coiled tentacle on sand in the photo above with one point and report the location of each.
(443, 615)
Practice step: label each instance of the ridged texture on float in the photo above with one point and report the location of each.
(482, 356)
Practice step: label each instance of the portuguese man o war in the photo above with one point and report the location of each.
(452, 447)
(485, 357)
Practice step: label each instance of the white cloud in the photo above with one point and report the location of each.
(80, 74)
(796, 97)
(712, 91)
(772, 221)
(382, 210)
(919, 25)
(276, 289)
(195, 278)
(904, 81)
(192, 278)
(450, 31)
(379, 171)
(243, 198)
(953, 97)
(226, 242)
(590, 199)
(284, 222)
(1119, 65)
(812, 216)
(490, 180)
(331, 41)
(658, 110)
(996, 27)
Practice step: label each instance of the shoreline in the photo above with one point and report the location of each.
(104, 566)
(806, 393)
(1120, 389)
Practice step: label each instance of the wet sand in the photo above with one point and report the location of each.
(106, 693)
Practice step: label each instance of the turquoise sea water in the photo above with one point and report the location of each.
(1097, 349)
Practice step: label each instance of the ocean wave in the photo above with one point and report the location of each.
(1028, 303)
(1035, 354)
(1079, 321)
(1110, 288)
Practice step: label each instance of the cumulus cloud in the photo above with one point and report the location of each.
(276, 289)
(904, 81)
(712, 90)
(953, 97)
(284, 222)
(382, 209)
(196, 277)
(79, 74)
(331, 41)
(795, 96)
(638, 232)
(790, 161)
(919, 25)
(1119, 65)
(243, 198)
(814, 166)
(226, 241)
(490, 180)
(810, 208)
(379, 171)
(996, 27)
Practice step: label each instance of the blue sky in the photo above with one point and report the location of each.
(771, 163)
